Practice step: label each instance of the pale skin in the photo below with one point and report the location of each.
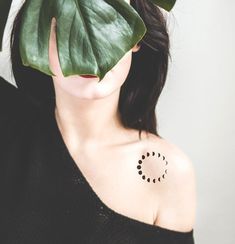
(107, 153)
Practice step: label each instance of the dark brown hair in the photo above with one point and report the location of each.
(139, 93)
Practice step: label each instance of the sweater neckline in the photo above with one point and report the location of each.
(125, 218)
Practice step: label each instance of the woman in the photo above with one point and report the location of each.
(75, 167)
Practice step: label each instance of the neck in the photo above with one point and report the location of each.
(88, 121)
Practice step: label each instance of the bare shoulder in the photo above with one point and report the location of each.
(176, 191)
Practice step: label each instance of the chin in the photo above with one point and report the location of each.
(94, 94)
(90, 91)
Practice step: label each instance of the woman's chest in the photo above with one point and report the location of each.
(50, 196)
(113, 175)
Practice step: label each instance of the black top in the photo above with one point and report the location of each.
(45, 198)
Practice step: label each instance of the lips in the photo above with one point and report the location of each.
(88, 76)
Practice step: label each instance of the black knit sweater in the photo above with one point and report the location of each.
(44, 197)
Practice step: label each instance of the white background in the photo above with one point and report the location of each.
(196, 110)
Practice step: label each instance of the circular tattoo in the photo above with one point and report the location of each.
(141, 161)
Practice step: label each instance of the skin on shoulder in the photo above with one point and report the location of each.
(176, 192)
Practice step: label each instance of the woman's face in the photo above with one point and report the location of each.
(88, 88)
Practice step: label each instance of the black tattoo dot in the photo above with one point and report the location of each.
(143, 157)
(163, 157)
(154, 180)
(163, 176)
(166, 171)
(159, 179)
(148, 154)
(143, 177)
(159, 155)
(139, 167)
(153, 153)
(140, 172)
(140, 161)
(166, 162)
(148, 179)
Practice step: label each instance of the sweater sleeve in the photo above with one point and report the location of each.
(14, 107)
(12, 99)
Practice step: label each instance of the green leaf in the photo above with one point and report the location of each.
(5, 6)
(165, 4)
(92, 35)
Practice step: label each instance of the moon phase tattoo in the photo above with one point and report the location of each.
(141, 162)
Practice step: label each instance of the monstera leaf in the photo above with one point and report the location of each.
(92, 35)
(5, 6)
(165, 4)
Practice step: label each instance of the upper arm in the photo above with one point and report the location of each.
(177, 208)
